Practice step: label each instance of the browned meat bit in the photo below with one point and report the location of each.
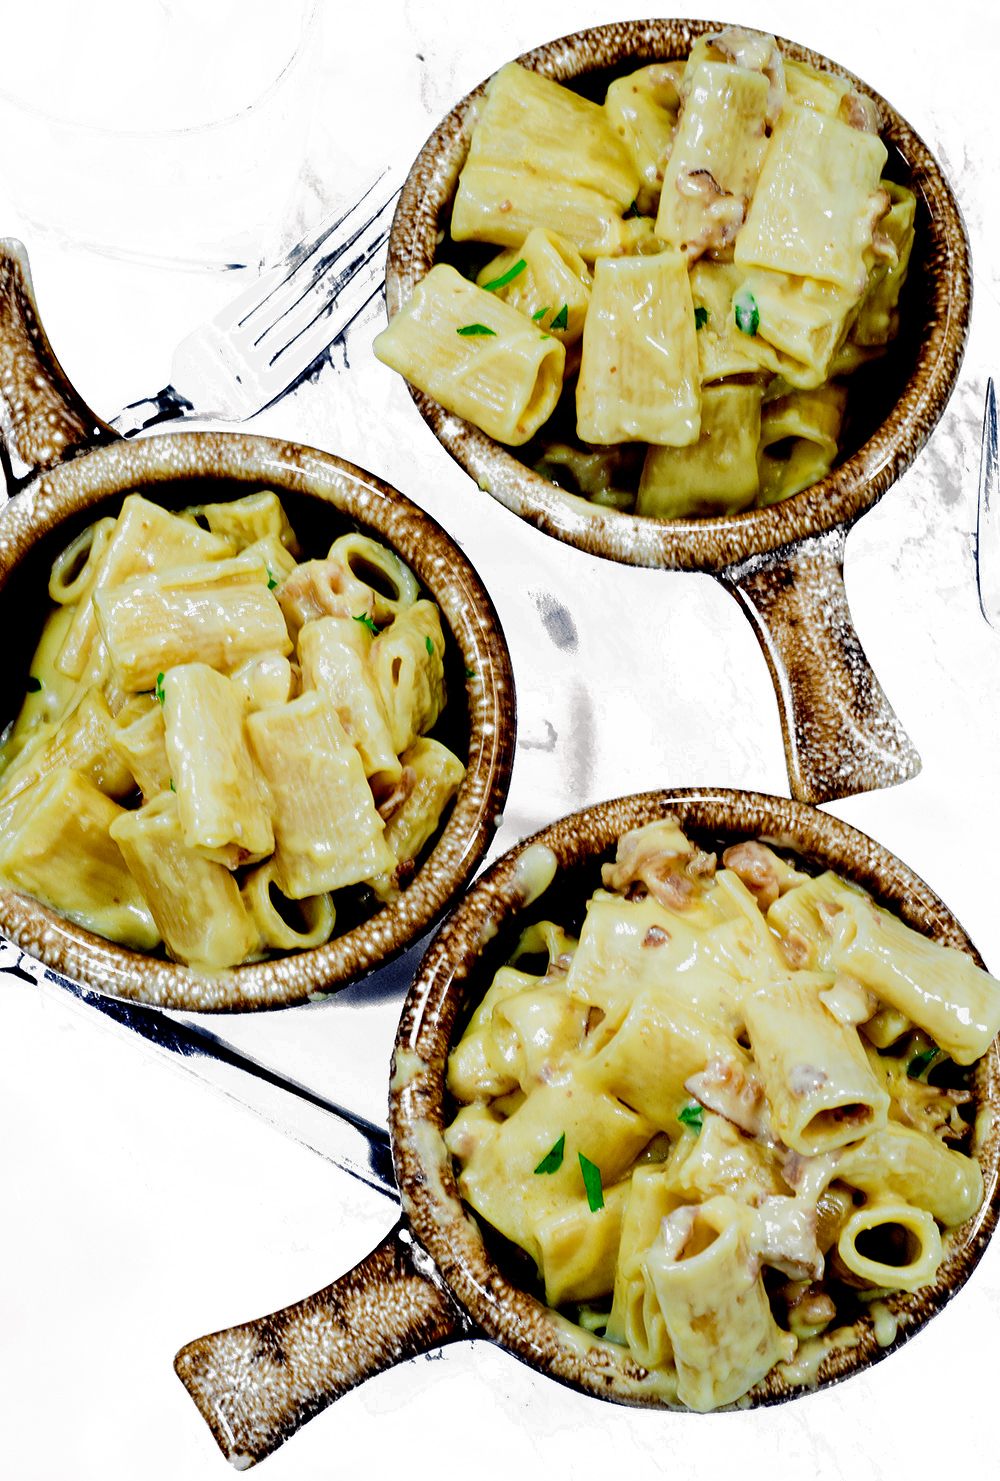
(659, 858)
(755, 867)
(656, 936)
(810, 1309)
(732, 1090)
(860, 111)
(395, 799)
(314, 590)
(796, 948)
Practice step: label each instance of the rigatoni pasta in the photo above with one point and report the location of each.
(701, 1120)
(762, 178)
(219, 739)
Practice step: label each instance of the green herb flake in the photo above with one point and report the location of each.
(172, 787)
(552, 1161)
(561, 319)
(633, 210)
(692, 1117)
(429, 645)
(700, 317)
(471, 674)
(503, 280)
(592, 1183)
(921, 1062)
(271, 582)
(33, 685)
(746, 311)
(540, 315)
(369, 624)
(468, 329)
(159, 691)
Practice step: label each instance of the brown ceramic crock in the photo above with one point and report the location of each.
(783, 564)
(72, 469)
(434, 1279)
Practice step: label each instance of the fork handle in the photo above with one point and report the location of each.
(44, 421)
(841, 734)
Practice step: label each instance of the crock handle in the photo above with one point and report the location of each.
(257, 1384)
(841, 735)
(44, 419)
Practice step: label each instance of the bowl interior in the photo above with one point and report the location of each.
(495, 1281)
(324, 498)
(893, 404)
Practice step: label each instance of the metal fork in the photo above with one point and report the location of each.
(267, 340)
(988, 523)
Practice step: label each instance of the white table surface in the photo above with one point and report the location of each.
(139, 1206)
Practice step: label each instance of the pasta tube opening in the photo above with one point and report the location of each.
(891, 1245)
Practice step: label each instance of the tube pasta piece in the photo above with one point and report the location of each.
(84, 743)
(877, 319)
(552, 284)
(326, 830)
(817, 202)
(279, 561)
(335, 656)
(75, 569)
(802, 324)
(639, 377)
(722, 351)
(268, 679)
(939, 988)
(579, 1248)
(907, 1237)
(195, 902)
(661, 1043)
(218, 613)
(636, 1319)
(540, 155)
(245, 521)
(721, 1159)
(808, 87)
(534, 1033)
(45, 704)
(316, 914)
(715, 160)
(374, 576)
(140, 740)
(473, 1070)
(145, 538)
(642, 108)
(58, 847)
(819, 1086)
(714, 1305)
(803, 918)
(220, 802)
(407, 661)
(506, 381)
(499, 1178)
(807, 424)
(902, 1162)
(718, 473)
(437, 775)
(756, 51)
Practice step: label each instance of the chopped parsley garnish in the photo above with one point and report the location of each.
(159, 690)
(475, 329)
(746, 311)
(428, 644)
(552, 1161)
(592, 1183)
(921, 1062)
(172, 787)
(561, 319)
(503, 280)
(471, 674)
(700, 317)
(540, 314)
(692, 1117)
(33, 685)
(369, 624)
(271, 583)
(633, 210)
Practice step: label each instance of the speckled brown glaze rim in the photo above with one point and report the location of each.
(151, 465)
(424, 1173)
(693, 544)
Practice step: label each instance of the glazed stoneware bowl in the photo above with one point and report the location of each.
(434, 1279)
(73, 470)
(783, 564)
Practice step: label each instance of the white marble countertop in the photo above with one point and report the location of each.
(141, 1206)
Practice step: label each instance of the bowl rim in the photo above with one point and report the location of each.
(149, 464)
(431, 1201)
(722, 541)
